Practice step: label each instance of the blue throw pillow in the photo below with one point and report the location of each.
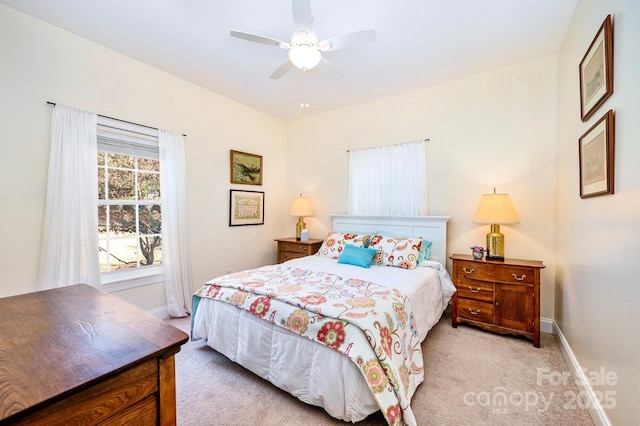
(425, 247)
(425, 250)
(358, 256)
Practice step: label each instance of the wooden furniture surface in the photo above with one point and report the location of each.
(290, 248)
(499, 296)
(78, 355)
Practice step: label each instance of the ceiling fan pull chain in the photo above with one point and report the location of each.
(303, 104)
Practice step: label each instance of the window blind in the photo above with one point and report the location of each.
(120, 137)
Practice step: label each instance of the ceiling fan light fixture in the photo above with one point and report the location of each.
(304, 56)
(305, 50)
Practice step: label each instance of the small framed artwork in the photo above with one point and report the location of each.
(246, 208)
(246, 168)
(596, 71)
(597, 158)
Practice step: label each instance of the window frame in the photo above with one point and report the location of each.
(124, 138)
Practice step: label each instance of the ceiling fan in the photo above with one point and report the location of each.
(305, 51)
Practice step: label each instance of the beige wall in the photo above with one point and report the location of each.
(597, 285)
(39, 63)
(495, 129)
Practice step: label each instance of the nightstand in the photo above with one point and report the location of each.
(290, 248)
(498, 296)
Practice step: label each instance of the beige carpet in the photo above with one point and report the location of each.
(472, 377)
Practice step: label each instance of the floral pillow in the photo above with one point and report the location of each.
(425, 248)
(396, 251)
(333, 245)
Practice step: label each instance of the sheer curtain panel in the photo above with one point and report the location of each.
(69, 250)
(388, 180)
(175, 247)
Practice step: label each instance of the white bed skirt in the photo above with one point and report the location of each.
(310, 371)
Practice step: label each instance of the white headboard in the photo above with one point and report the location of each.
(432, 228)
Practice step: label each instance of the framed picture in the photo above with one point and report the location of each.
(596, 71)
(246, 168)
(246, 208)
(597, 158)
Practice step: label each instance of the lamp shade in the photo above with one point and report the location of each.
(495, 208)
(301, 207)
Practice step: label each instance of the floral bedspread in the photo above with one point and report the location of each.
(373, 325)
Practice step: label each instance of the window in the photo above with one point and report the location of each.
(129, 203)
(389, 180)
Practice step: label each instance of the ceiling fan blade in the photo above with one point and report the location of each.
(259, 39)
(302, 17)
(330, 69)
(282, 70)
(348, 40)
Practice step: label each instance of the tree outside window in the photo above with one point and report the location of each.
(129, 212)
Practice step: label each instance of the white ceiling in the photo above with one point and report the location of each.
(419, 42)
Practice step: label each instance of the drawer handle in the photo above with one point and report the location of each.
(519, 279)
(472, 312)
(470, 271)
(300, 248)
(474, 291)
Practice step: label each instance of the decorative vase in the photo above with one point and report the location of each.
(477, 254)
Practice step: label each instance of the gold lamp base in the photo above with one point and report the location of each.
(495, 244)
(300, 225)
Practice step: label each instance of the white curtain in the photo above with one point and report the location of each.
(389, 180)
(175, 248)
(69, 250)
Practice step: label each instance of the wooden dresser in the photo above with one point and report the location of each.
(290, 248)
(78, 355)
(499, 296)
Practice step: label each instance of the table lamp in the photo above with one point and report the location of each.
(495, 209)
(301, 207)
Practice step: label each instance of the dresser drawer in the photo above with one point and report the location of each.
(474, 310)
(295, 247)
(495, 272)
(474, 289)
(143, 413)
(111, 398)
(290, 248)
(287, 255)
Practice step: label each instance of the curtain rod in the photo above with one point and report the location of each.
(424, 140)
(124, 121)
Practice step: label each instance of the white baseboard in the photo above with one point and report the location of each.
(161, 312)
(546, 326)
(596, 411)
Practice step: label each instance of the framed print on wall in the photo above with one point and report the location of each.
(597, 158)
(596, 71)
(246, 208)
(246, 168)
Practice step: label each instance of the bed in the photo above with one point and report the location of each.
(337, 335)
